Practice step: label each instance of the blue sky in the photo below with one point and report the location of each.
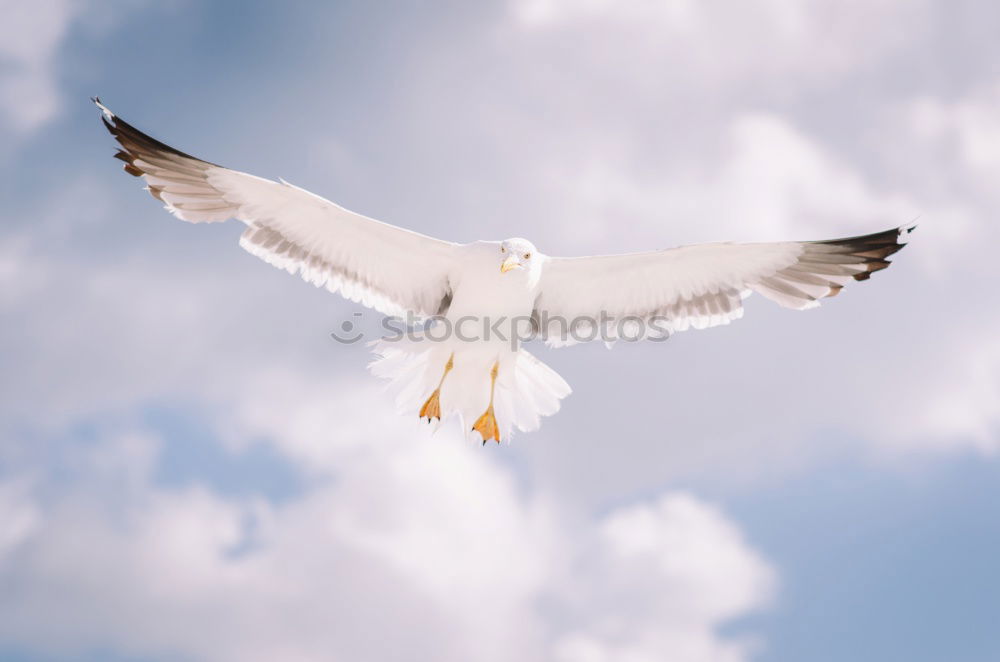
(190, 469)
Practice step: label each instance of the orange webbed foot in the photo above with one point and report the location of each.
(432, 408)
(487, 426)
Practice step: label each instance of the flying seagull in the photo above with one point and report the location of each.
(484, 296)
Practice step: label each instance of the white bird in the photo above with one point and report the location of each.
(486, 296)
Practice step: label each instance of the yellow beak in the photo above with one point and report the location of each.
(508, 264)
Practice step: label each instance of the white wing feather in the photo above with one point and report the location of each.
(657, 293)
(379, 265)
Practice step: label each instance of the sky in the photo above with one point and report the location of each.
(191, 469)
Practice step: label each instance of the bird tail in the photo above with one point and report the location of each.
(526, 389)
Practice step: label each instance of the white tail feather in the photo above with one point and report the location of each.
(526, 388)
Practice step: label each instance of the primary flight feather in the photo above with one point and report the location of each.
(490, 295)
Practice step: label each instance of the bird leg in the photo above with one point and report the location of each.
(432, 408)
(487, 426)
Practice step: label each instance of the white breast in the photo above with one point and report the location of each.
(479, 289)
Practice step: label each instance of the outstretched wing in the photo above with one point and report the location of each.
(379, 265)
(657, 293)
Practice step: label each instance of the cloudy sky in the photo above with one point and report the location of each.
(190, 469)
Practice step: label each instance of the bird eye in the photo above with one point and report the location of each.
(503, 250)
(527, 255)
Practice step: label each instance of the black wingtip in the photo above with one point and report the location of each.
(108, 115)
(903, 233)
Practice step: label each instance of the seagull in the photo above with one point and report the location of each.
(470, 307)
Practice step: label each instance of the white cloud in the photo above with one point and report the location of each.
(658, 591)
(432, 549)
(969, 124)
(724, 41)
(30, 37)
(538, 13)
(955, 404)
(18, 513)
(774, 183)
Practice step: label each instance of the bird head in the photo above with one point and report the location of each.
(516, 253)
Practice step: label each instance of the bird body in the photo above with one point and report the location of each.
(479, 301)
(489, 313)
